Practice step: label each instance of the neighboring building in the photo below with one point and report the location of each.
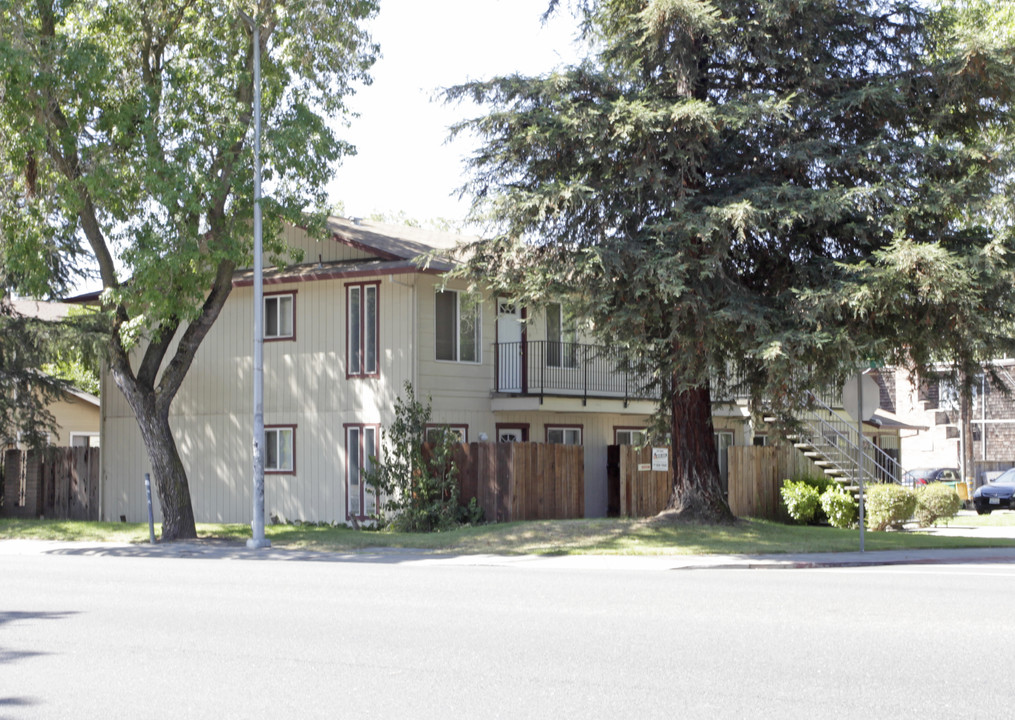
(345, 331)
(933, 402)
(78, 417)
(76, 413)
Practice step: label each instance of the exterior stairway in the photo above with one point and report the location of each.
(834, 445)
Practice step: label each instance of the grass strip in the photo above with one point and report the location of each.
(543, 537)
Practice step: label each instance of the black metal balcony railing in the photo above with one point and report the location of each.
(560, 368)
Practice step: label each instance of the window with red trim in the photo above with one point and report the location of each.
(280, 449)
(280, 316)
(362, 329)
(360, 449)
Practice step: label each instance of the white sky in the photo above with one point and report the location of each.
(404, 163)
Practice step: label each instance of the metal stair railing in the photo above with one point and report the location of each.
(841, 446)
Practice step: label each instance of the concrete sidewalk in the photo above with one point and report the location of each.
(217, 550)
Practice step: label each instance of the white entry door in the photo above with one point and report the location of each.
(509, 346)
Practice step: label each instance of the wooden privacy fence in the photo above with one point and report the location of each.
(523, 481)
(643, 492)
(57, 482)
(755, 477)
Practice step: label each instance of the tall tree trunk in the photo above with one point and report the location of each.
(697, 490)
(966, 425)
(168, 471)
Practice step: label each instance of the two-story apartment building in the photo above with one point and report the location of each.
(344, 331)
(933, 402)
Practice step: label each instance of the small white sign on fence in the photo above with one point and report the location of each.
(644, 467)
(660, 459)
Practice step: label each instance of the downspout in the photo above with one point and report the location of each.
(414, 353)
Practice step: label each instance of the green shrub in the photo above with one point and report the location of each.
(888, 506)
(840, 506)
(821, 483)
(801, 500)
(935, 501)
(471, 514)
(418, 484)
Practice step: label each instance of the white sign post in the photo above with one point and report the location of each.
(860, 396)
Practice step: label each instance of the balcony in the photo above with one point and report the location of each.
(546, 368)
(567, 369)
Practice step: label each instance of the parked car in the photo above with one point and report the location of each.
(996, 495)
(915, 478)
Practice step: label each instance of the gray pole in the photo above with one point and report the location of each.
(257, 524)
(859, 444)
(151, 517)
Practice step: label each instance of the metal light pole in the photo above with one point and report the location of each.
(258, 540)
(859, 444)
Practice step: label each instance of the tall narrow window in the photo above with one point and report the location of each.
(561, 338)
(279, 443)
(279, 317)
(362, 324)
(457, 330)
(361, 448)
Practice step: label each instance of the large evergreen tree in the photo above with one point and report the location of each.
(774, 190)
(127, 133)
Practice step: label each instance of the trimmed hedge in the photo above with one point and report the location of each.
(801, 500)
(888, 506)
(840, 507)
(935, 501)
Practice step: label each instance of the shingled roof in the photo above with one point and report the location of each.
(396, 242)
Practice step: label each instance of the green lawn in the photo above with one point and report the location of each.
(602, 536)
(998, 518)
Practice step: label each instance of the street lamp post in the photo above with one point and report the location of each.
(258, 540)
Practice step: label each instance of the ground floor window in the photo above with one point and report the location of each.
(84, 439)
(360, 451)
(564, 434)
(460, 432)
(760, 441)
(279, 445)
(628, 436)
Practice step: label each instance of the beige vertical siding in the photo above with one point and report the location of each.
(305, 385)
(461, 387)
(327, 250)
(73, 415)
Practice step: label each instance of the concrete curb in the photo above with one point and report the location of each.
(409, 557)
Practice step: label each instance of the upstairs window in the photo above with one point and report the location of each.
(362, 351)
(279, 314)
(457, 331)
(562, 338)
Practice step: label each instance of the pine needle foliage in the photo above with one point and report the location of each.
(777, 191)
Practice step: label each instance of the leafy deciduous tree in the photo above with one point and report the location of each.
(127, 132)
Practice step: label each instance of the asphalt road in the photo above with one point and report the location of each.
(94, 634)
